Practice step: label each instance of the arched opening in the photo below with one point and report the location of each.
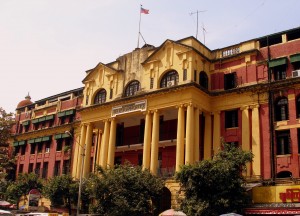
(281, 109)
(100, 97)
(164, 201)
(284, 174)
(169, 79)
(132, 88)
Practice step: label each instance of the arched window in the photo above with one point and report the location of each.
(298, 107)
(203, 80)
(100, 97)
(132, 88)
(281, 109)
(284, 174)
(169, 79)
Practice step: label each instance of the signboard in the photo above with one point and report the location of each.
(128, 108)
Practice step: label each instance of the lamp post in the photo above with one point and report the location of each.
(81, 172)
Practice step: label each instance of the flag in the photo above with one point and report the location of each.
(144, 11)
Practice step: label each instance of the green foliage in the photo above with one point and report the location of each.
(214, 187)
(61, 190)
(7, 162)
(125, 190)
(21, 187)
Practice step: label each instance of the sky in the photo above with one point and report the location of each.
(46, 46)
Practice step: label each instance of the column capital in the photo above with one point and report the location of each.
(254, 106)
(155, 111)
(180, 106)
(147, 112)
(244, 108)
(216, 112)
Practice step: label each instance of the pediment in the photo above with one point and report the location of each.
(163, 50)
(99, 71)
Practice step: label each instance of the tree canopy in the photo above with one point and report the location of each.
(214, 187)
(125, 190)
(21, 187)
(7, 163)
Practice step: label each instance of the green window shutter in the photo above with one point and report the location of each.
(277, 62)
(295, 58)
(36, 140)
(22, 142)
(42, 119)
(58, 136)
(25, 123)
(49, 117)
(31, 141)
(61, 114)
(70, 112)
(65, 135)
(46, 138)
(15, 144)
(34, 121)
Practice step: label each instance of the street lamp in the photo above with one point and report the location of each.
(81, 172)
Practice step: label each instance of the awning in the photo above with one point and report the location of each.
(34, 121)
(22, 142)
(25, 123)
(49, 117)
(15, 144)
(61, 136)
(46, 138)
(66, 113)
(31, 141)
(295, 58)
(277, 62)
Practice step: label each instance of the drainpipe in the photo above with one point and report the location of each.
(271, 116)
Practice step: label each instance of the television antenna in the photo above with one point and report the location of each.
(197, 12)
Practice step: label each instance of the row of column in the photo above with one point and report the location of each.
(187, 146)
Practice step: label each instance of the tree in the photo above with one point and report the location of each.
(7, 162)
(21, 187)
(61, 191)
(213, 187)
(125, 190)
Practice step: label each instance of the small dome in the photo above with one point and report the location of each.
(25, 102)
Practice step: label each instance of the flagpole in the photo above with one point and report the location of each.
(138, 42)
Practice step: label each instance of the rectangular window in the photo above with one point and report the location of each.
(184, 74)
(66, 167)
(45, 170)
(23, 149)
(32, 148)
(142, 131)
(279, 72)
(111, 93)
(59, 144)
(151, 82)
(21, 167)
(37, 169)
(231, 118)
(283, 142)
(118, 160)
(40, 147)
(57, 168)
(47, 149)
(30, 168)
(230, 81)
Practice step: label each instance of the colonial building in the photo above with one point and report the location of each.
(163, 107)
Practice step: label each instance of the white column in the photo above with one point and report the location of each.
(189, 135)
(87, 157)
(154, 144)
(147, 142)
(197, 136)
(180, 139)
(104, 145)
(112, 143)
